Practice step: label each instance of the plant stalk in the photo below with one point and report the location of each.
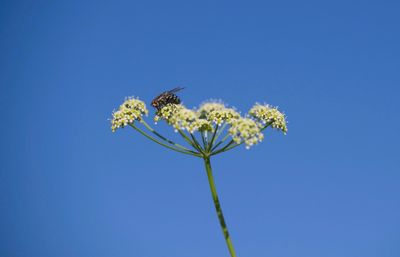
(161, 143)
(164, 138)
(218, 207)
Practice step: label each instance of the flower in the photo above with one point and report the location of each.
(180, 117)
(202, 125)
(228, 115)
(184, 119)
(208, 107)
(247, 130)
(168, 112)
(217, 113)
(132, 109)
(208, 118)
(267, 114)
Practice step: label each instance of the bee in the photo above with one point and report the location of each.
(167, 97)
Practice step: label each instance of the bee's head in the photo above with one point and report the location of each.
(154, 103)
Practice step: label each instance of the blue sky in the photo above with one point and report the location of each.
(69, 187)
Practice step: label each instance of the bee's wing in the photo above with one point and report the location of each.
(175, 90)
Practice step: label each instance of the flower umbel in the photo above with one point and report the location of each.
(168, 113)
(208, 107)
(217, 113)
(132, 109)
(246, 130)
(227, 115)
(182, 118)
(214, 123)
(267, 114)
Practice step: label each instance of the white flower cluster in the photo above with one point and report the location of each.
(132, 109)
(267, 114)
(180, 117)
(217, 113)
(246, 130)
(208, 107)
(211, 114)
(168, 113)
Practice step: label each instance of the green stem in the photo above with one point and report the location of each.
(220, 142)
(212, 139)
(160, 143)
(220, 131)
(226, 147)
(203, 138)
(218, 207)
(196, 142)
(190, 142)
(164, 138)
(266, 126)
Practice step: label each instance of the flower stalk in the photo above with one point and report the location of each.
(211, 121)
(218, 208)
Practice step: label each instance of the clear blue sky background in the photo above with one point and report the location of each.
(69, 187)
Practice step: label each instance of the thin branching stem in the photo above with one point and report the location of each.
(212, 139)
(187, 139)
(231, 147)
(203, 138)
(196, 142)
(164, 138)
(161, 143)
(224, 149)
(221, 142)
(266, 126)
(222, 128)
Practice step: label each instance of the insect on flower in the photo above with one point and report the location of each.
(167, 97)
